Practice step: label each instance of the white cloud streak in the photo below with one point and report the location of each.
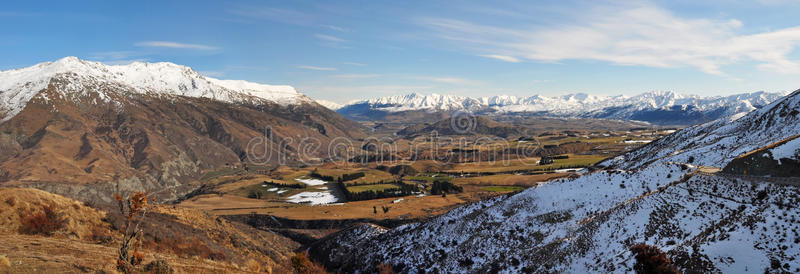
(174, 45)
(505, 58)
(355, 76)
(316, 68)
(329, 38)
(451, 80)
(632, 35)
(285, 16)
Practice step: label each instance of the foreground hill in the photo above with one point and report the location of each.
(705, 222)
(662, 108)
(85, 130)
(72, 237)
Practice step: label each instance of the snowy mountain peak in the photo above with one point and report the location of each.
(655, 106)
(329, 104)
(19, 86)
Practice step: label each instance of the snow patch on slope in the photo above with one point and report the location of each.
(788, 150)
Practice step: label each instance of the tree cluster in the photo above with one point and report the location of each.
(442, 187)
(401, 190)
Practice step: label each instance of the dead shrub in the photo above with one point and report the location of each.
(4, 262)
(303, 265)
(650, 259)
(101, 235)
(137, 258)
(159, 266)
(45, 222)
(253, 265)
(385, 268)
(12, 201)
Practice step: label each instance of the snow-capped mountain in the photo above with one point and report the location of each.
(717, 143)
(664, 194)
(19, 86)
(330, 105)
(662, 107)
(82, 129)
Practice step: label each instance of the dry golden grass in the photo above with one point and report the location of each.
(221, 231)
(74, 247)
(79, 221)
(4, 262)
(38, 254)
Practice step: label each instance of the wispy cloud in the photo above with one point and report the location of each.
(354, 64)
(451, 80)
(502, 58)
(317, 68)
(286, 16)
(639, 34)
(329, 38)
(174, 45)
(355, 76)
(335, 28)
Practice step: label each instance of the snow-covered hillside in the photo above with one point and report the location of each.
(587, 225)
(705, 222)
(19, 86)
(717, 143)
(655, 106)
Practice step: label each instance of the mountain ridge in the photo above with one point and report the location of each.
(656, 106)
(19, 86)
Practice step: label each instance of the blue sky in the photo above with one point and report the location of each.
(345, 50)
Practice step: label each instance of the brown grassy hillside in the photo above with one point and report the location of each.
(78, 238)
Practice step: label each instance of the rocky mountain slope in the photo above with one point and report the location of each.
(705, 222)
(665, 108)
(85, 129)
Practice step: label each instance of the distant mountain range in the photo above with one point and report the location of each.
(658, 107)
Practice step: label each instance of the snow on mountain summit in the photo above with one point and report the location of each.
(653, 106)
(19, 86)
